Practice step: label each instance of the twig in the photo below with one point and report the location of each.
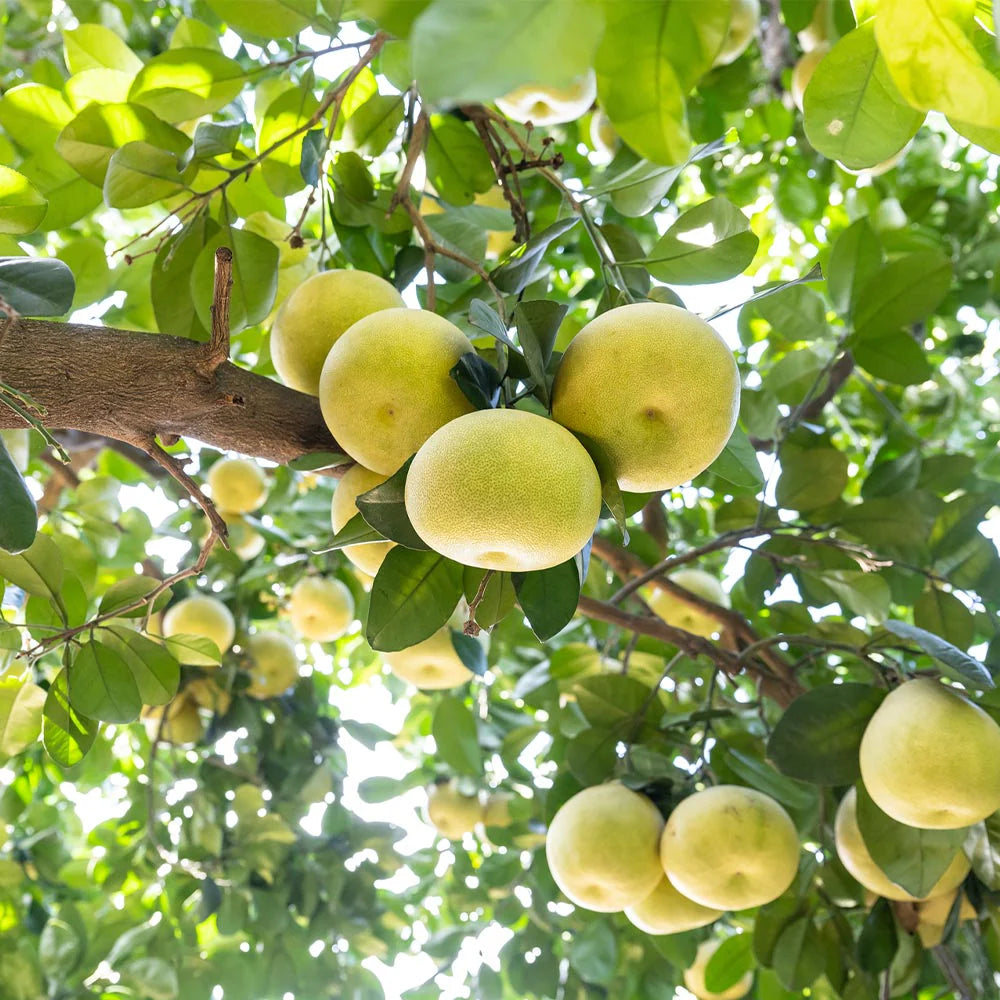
(471, 628)
(418, 139)
(218, 348)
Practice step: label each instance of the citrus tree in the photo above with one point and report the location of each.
(499, 499)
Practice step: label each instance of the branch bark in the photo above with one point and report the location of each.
(134, 386)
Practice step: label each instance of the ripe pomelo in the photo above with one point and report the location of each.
(274, 664)
(315, 315)
(656, 387)
(931, 758)
(358, 480)
(667, 911)
(730, 848)
(432, 664)
(238, 485)
(385, 386)
(321, 608)
(602, 848)
(543, 105)
(742, 25)
(451, 813)
(504, 490)
(204, 615)
(675, 612)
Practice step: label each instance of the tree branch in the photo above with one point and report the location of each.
(134, 386)
(218, 348)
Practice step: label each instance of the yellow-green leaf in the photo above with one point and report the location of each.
(22, 208)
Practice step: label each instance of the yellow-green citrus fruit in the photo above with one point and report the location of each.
(183, 724)
(238, 485)
(432, 664)
(602, 848)
(817, 32)
(543, 105)
(933, 916)
(321, 608)
(656, 387)
(17, 443)
(930, 758)
(204, 615)
(451, 813)
(666, 911)
(804, 70)
(694, 977)
(244, 540)
(314, 317)
(357, 480)
(504, 490)
(742, 25)
(675, 612)
(730, 848)
(274, 664)
(856, 858)
(496, 812)
(385, 387)
(205, 692)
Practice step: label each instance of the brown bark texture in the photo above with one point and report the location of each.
(134, 386)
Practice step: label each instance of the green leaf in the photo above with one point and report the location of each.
(456, 738)
(738, 462)
(67, 735)
(899, 475)
(33, 115)
(156, 672)
(877, 941)
(413, 595)
(384, 508)
(181, 84)
(710, 242)
(593, 953)
(810, 477)
(732, 960)
(493, 48)
(59, 949)
(38, 570)
(891, 524)
(88, 142)
(88, 263)
(21, 704)
(289, 113)
(457, 163)
(611, 494)
(537, 323)
(193, 650)
(902, 292)
(819, 736)
(896, 358)
(93, 46)
(911, 857)
(498, 598)
(855, 258)
(637, 85)
(255, 278)
(943, 614)
(152, 977)
(765, 778)
(140, 174)
(798, 955)
(934, 62)
(614, 702)
(372, 126)
(958, 665)
(210, 139)
(357, 531)
(170, 282)
(470, 651)
(125, 592)
(865, 594)
(479, 381)
(22, 207)
(516, 273)
(315, 460)
(102, 686)
(549, 597)
(853, 111)
(19, 523)
(983, 849)
(36, 286)
(481, 315)
(265, 19)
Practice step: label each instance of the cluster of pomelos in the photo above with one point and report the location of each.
(654, 387)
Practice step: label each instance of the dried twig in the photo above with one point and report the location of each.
(218, 347)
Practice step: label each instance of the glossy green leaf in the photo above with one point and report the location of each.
(537, 323)
(265, 19)
(371, 128)
(289, 113)
(906, 290)
(957, 664)
(738, 462)
(548, 597)
(383, 507)
(141, 174)
(494, 48)
(637, 85)
(413, 595)
(68, 735)
(854, 259)
(911, 857)
(853, 110)
(357, 531)
(456, 160)
(36, 286)
(21, 704)
(38, 570)
(593, 954)
(470, 651)
(732, 960)
(22, 207)
(181, 84)
(877, 942)
(33, 115)
(93, 46)
(943, 614)
(455, 736)
(19, 523)
(102, 686)
(810, 477)
(155, 670)
(711, 242)
(478, 380)
(818, 737)
(760, 775)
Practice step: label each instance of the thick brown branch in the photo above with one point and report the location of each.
(134, 386)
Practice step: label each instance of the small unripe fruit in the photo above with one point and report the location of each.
(451, 813)
(238, 485)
